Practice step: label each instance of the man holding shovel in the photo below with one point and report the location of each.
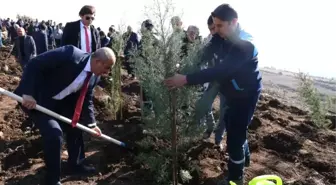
(62, 80)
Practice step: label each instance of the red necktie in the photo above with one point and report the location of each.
(80, 100)
(87, 41)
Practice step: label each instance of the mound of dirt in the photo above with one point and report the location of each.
(283, 141)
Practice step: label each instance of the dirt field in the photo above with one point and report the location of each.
(283, 141)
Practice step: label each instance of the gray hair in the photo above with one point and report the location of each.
(194, 29)
(104, 54)
(174, 20)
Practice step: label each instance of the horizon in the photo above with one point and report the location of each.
(290, 35)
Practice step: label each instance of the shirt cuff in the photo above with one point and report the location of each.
(92, 125)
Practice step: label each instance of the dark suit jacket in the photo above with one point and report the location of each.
(132, 43)
(41, 41)
(104, 41)
(29, 48)
(71, 36)
(49, 73)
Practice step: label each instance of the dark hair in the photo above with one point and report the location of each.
(87, 9)
(225, 12)
(210, 21)
(102, 34)
(148, 24)
(42, 27)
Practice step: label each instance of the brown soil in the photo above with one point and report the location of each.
(283, 141)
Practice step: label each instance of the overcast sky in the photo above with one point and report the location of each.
(293, 35)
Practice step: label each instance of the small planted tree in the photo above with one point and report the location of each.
(114, 79)
(170, 121)
(313, 100)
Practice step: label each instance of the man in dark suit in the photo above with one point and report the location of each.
(81, 33)
(104, 40)
(131, 45)
(41, 39)
(24, 47)
(57, 80)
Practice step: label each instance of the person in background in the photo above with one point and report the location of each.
(192, 34)
(237, 73)
(131, 45)
(104, 40)
(111, 32)
(176, 23)
(31, 28)
(211, 28)
(178, 32)
(24, 47)
(58, 33)
(13, 32)
(50, 35)
(89, 39)
(219, 131)
(41, 39)
(1, 35)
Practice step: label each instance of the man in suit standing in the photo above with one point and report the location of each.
(63, 80)
(131, 45)
(82, 33)
(24, 47)
(41, 39)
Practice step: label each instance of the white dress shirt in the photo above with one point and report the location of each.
(82, 33)
(76, 84)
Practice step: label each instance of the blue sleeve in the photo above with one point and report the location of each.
(42, 64)
(239, 57)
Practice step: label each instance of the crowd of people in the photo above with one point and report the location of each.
(82, 53)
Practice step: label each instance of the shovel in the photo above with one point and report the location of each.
(67, 120)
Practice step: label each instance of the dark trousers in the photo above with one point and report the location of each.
(237, 118)
(129, 66)
(58, 42)
(52, 134)
(23, 64)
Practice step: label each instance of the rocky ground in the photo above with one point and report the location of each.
(282, 138)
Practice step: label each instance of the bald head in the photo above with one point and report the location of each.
(129, 28)
(102, 61)
(104, 54)
(20, 31)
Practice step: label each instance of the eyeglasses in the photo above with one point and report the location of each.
(88, 18)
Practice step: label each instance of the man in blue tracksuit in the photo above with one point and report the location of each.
(239, 80)
(219, 131)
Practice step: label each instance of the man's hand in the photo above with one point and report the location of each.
(28, 101)
(176, 81)
(98, 131)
